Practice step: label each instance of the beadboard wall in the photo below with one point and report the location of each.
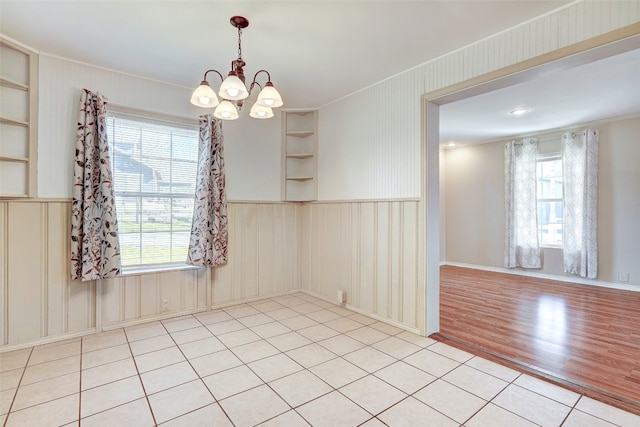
(370, 250)
(40, 303)
(370, 141)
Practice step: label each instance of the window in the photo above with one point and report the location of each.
(550, 201)
(154, 165)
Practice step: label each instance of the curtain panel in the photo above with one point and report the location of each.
(209, 234)
(521, 246)
(580, 180)
(95, 250)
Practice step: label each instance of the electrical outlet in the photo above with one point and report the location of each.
(165, 305)
(623, 276)
(342, 297)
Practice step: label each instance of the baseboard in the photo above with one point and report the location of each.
(46, 340)
(165, 316)
(139, 321)
(527, 273)
(364, 312)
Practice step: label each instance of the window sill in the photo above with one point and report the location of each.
(551, 247)
(152, 269)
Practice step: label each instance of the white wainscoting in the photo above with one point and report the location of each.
(369, 249)
(39, 300)
(263, 253)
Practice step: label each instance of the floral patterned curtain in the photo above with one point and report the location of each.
(95, 251)
(580, 181)
(521, 246)
(209, 235)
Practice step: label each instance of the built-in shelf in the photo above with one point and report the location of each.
(299, 178)
(13, 84)
(299, 156)
(14, 122)
(14, 159)
(19, 94)
(301, 133)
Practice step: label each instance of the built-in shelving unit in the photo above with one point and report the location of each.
(18, 120)
(299, 156)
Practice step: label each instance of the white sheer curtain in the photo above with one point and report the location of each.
(209, 235)
(521, 246)
(580, 180)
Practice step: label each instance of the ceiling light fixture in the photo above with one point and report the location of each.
(233, 88)
(519, 111)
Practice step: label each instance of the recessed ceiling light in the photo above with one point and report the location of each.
(451, 144)
(519, 111)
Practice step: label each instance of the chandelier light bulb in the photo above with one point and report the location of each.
(226, 111)
(260, 112)
(204, 96)
(269, 96)
(232, 88)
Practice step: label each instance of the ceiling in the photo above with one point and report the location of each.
(597, 91)
(316, 51)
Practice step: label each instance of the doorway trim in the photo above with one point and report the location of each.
(608, 44)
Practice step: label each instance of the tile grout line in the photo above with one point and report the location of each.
(153, 416)
(24, 370)
(188, 360)
(80, 385)
(334, 389)
(396, 359)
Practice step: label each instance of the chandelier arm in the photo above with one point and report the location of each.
(254, 82)
(262, 71)
(215, 71)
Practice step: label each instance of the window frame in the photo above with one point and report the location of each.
(540, 159)
(152, 119)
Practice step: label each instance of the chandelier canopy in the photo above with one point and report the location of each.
(233, 90)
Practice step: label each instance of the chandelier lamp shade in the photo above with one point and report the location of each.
(233, 90)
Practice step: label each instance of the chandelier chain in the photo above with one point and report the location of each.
(239, 43)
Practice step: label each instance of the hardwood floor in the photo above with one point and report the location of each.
(584, 337)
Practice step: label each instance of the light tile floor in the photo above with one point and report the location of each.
(289, 361)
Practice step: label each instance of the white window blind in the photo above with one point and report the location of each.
(154, 166)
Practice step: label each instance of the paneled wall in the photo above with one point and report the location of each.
(263, 252)
(39, 302)
(39, 299)
(133, 298)
(368, 249)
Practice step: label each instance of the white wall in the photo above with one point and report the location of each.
(369, 143)
(252, 147)
(474, 194)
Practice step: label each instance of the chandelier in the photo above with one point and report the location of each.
(233, 88)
